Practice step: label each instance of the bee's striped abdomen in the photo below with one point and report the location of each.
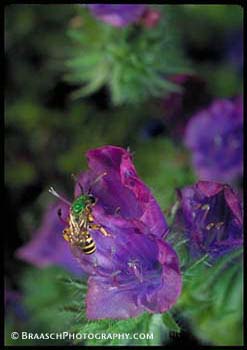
(88, 245)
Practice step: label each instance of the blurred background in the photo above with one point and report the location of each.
(62, 99)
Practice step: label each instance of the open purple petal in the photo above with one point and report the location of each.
(234, 203)
(120, 190)
(104, 301)
(163, 297)
(144, 274)
(208, 188)
(47, 247)
(137, 267)
(132, 269)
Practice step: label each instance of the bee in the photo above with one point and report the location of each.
(80, 221)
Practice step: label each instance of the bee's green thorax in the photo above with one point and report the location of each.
(79, 205)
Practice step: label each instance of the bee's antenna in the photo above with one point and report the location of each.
(96, 180)
(75, 178)
(54, 193)
(82, 190)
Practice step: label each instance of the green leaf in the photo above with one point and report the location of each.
(212, 300)
(195, 265)
(170, 323)
(81, 285)
(158, 330)
(127, 328)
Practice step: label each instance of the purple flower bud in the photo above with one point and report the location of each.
(214, 136)
(150, 18)
(133, 269)
(118, 15)
(47, 247)
(210, 215)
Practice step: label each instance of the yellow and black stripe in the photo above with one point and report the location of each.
(88, 245)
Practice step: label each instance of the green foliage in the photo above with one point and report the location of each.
(110, 327)
(170, 323)
(133, 62)
(26, 173)
(44, 298)
(214, 24)
(167, 170)
(212, 300)
(34, 47)
(223, 82)
(223, 16)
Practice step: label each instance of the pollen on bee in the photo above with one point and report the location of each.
(66, 235)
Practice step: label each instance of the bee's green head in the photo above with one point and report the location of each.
(80, 203)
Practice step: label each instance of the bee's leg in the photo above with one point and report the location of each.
(90, 218)
(99, 228)
(88, 213)
(67, 235)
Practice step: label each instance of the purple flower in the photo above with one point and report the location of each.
(210, 215)
(47, 246)
(133, 270)
(214, 136)
(118, 15)
(178, 106)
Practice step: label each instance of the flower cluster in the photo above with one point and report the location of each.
(215, 137)
(210, 216)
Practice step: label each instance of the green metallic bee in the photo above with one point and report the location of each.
(80, 221)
